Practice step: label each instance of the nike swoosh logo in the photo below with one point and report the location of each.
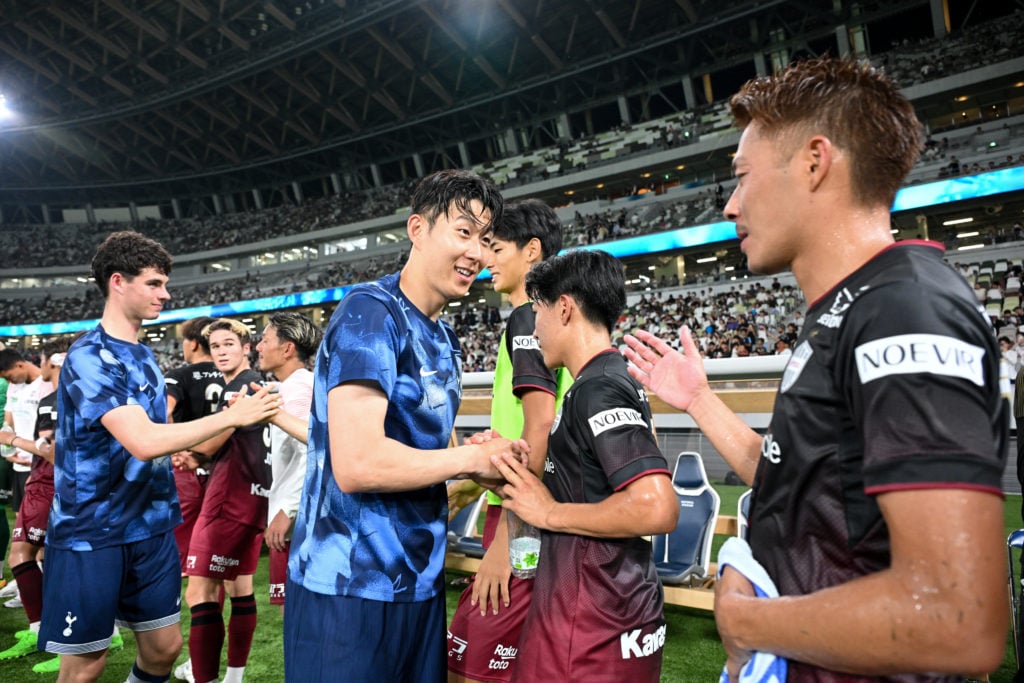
(427, 373)
(143, 387)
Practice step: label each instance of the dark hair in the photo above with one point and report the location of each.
(128, 253)
(299, 330)
(595, 280)
(523, 220)
(853, 104)
(9, 358)
(192, 330)
(57, 345)
(436, 194)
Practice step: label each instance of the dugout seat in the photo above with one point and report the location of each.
(683, 555)
(462, 530)
(743, 514)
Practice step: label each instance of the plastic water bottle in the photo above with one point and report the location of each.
(523, 546)
(7, 451)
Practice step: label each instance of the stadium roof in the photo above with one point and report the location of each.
(133, 99)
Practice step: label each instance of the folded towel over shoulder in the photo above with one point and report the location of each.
(762, 667)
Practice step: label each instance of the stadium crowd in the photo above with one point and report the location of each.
(909, 63)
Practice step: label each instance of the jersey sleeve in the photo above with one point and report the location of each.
(617, 423)
(97, 382)
(175, 384)
(46, 415)
(528, 370)
(364, 343)
(922, 385)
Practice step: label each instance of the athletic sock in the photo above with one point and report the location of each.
(234, 674)
(206, 640)
(241, 628)
(139, 676)
(30, 583)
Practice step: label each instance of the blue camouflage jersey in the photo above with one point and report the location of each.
(102, 495)
(380, 546)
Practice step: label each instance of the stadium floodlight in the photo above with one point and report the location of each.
(958, 221)
(5, 112)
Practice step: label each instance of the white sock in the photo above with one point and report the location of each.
(234, 674)
(34, 627)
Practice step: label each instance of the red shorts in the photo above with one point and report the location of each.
(278, 574)
(484, 648)
(191, 487)
(30, 522)
(223, 549)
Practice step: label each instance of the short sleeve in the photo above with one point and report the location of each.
(363, 345)
(922, 384)
(175, 385)
(528, 369)
(97, 382)
(617, 424)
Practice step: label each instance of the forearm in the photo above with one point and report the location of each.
(634, 511)
(386, 465)
(295, 427)
(738, 444)
(875, 625)
(946, 579)
(158, 439)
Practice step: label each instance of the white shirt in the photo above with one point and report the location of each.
(23, 405)
(287, 454)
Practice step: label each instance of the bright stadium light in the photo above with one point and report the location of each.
(5, 112)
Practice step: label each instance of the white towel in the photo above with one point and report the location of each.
(762, 667)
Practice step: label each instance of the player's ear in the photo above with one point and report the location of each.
(534, 251)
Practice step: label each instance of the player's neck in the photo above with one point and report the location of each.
(119, 326)
(285, 371)
(517, 297)
(587, 343)
(230, 377)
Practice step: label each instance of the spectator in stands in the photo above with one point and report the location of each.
(833, 137)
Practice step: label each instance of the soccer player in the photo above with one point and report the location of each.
(30, 524)
(193, 391)
(884, 455)
(596, 612)
(110, 551)
(366, 569)
(27, 387)
(526, 396)
(289, 341)
(225, 545)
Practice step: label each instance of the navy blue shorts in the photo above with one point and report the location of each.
(136, 585)
(331, 638)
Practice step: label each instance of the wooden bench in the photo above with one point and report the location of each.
(697, 597)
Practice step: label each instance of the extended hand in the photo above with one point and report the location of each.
(277, 531)
(259, 407)
(675, 377)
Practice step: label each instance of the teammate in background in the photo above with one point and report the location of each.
(225, 545)
(7, 590)
(110, 551)
(886, 447)
(27, 387)
(366, 569)
(193, 391)
(30, 524)
(526, 397)
(596, 612)
(289, 341)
